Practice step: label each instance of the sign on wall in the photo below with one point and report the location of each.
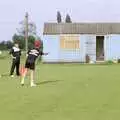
(69, 42)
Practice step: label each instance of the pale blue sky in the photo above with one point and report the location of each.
(40, 11)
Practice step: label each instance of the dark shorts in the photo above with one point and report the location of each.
(30, 65)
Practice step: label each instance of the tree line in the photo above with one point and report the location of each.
(5, 45)
(59, 18)
(19, 36)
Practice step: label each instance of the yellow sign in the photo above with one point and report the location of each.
(69, 42)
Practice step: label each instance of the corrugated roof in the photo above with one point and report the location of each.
(81, 28)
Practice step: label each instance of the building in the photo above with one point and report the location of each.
(71, 42)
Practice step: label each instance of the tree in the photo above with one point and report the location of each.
(31, 40)
(21, 31)
(59, 19)
(19, 39)
(9, 44)
(68, 19)
(31, 29)
(3, 45)
(20, 36)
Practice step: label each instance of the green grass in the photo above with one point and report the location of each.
(64, 92)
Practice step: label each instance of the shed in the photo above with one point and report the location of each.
(71, 42)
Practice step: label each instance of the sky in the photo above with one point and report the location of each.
(40, 11)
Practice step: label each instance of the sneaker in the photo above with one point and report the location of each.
(33, 85)
(18, 75)
(22, 84)
(12, 76)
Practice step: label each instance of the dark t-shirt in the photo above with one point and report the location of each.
(33, 55)
(16, 53)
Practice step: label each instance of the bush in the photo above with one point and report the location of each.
(109, 62)
(118, 60)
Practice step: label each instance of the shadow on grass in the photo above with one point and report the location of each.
(47, 82)
(5, 75)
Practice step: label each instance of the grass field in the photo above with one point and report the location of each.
(64, 92)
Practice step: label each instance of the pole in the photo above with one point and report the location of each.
(26, 32)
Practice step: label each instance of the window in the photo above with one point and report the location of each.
(69, 42)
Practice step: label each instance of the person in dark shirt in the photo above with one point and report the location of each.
(15, 53)
(30, 63)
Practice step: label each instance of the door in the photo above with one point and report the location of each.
(99, 48)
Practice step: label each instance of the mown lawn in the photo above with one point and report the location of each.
(64, 92)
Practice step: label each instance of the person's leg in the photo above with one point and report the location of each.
(17, 68)
(24, 72)
(23, 76)
(32, 75)
(12, 68)
(32, 78)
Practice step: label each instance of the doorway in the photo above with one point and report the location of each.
(100, 48)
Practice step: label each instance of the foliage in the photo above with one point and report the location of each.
(68, 19)
(109, 62)
(4, 45)
(19, 37)
(31, 29)
(59, 19)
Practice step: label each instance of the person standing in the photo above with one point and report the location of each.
(15, 53)
(30, 63)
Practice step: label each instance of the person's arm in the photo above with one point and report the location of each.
(20, 53)
(41, 53)
(28, 53)
(11, 53)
